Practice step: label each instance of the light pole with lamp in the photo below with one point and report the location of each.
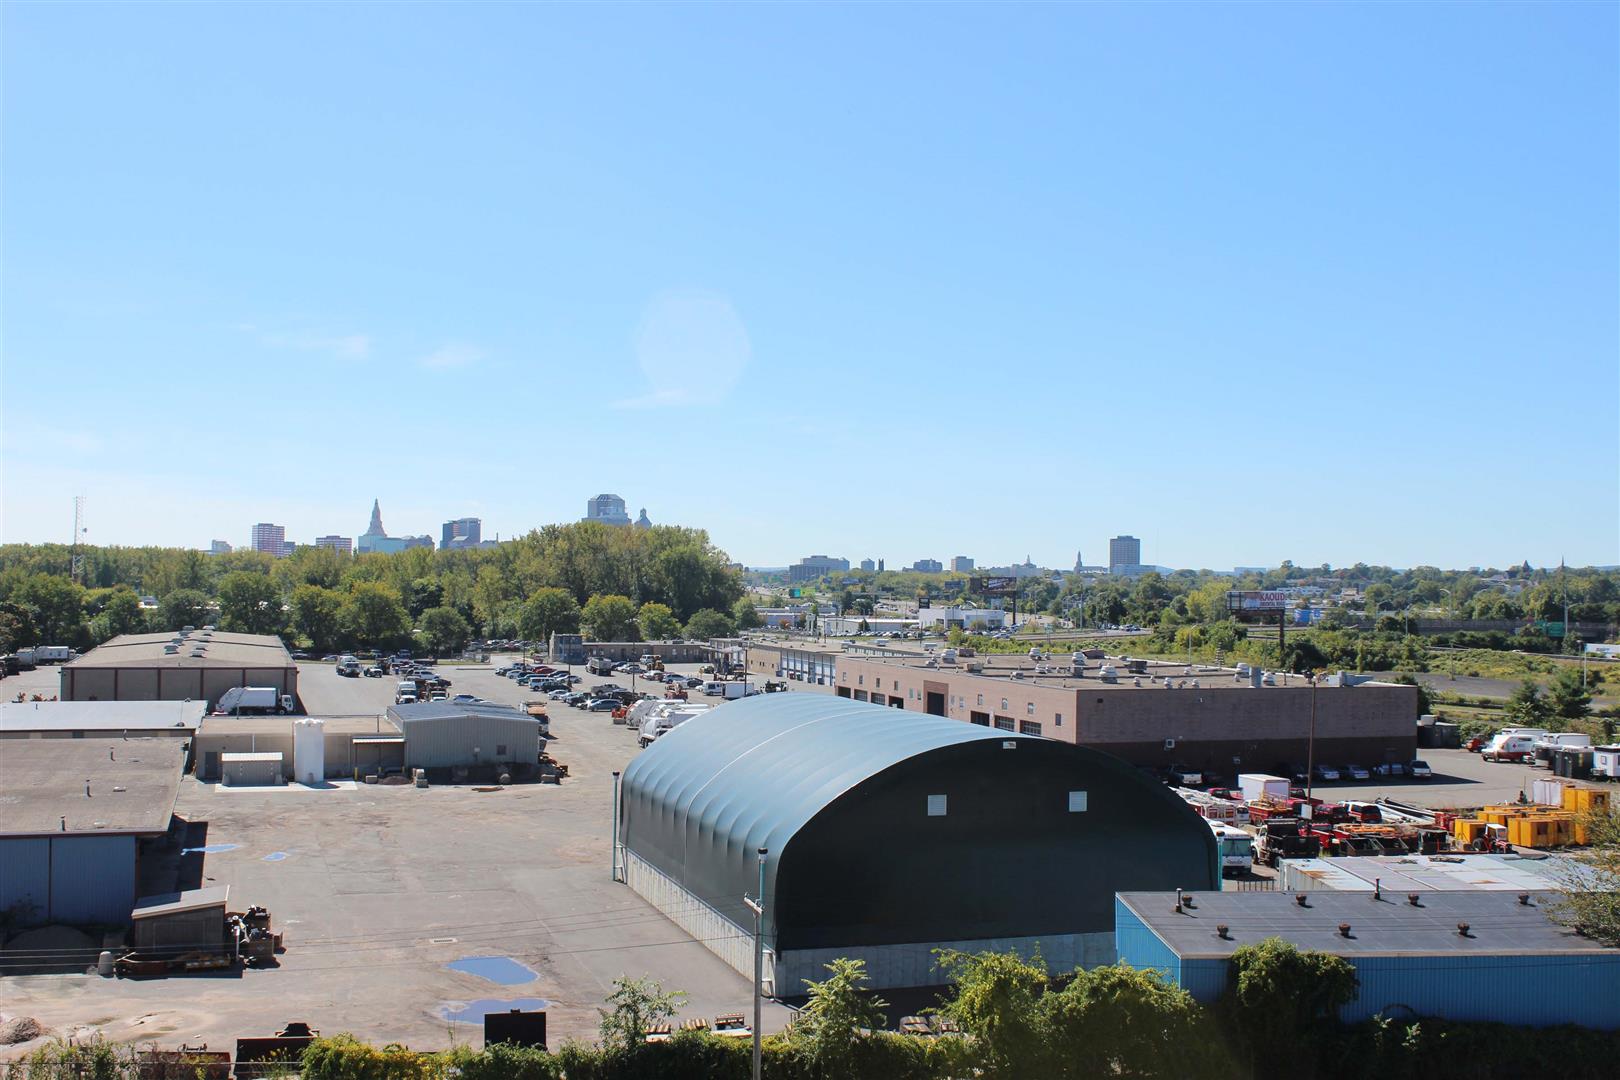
(757, 906)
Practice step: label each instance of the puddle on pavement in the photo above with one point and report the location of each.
(502, 970)
(473, 1012)
(275, 856)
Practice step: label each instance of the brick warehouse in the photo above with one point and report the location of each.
(1212, 719)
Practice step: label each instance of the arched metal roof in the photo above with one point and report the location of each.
(702, 800)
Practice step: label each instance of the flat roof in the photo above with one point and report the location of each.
(174, 903)
(1001, 666)
(283, 725)
(219, 650)
(1401, 873)
(369, 740)
(1498, 923)
(100, 715)
(132, 784)
(450, 710)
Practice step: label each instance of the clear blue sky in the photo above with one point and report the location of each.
(1252, 283)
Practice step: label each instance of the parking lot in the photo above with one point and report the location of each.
(379, 888)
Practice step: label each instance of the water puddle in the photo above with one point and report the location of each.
(502, 970)
(274, 856)
(473, 1012)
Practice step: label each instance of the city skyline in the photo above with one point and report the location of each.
(1247, 284)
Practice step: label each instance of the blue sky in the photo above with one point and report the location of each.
(1258, 282)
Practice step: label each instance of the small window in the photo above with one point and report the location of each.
(936, 806)
(1030, 709)
(1057, 719)
(860, 680)
(500, 749)
(1003, 703)
(981, 699)
(1077, 802)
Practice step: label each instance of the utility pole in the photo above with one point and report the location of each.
(758, 908)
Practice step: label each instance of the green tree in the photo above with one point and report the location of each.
(1568, 698)
(837, 1017)
(1284, 1001)
(250, 603)
(996, 1002)
(547, 612)
(444, 630)
(16, 627)
(609, 618)
(120, 613)
(55, 605)
(1527, 707)
(1590, 897)
(184, 607)
(421, 594)
(710, 623)
(317, 616)
(658, 622)
(374, 615)
(747, 615)
(637, 1004)
(1117, 1021)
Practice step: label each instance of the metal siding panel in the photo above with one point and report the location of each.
(1530, 991)
(92, 879)
(25, 876)
(1205, 980)
(1140, 947)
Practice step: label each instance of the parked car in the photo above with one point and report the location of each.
(301, 655)
(606, 704)
(466, 699)
(1183, 775)
(436, 695)
(560, 695)
(1325, 774)
(1354, 772)
(1419, 769)
(1389, 768)
(373, 672)
(629, 668)
(578, 700)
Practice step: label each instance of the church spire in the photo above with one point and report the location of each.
(376, 526)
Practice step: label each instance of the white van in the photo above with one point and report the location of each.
(1507, 747)
(1237, 849)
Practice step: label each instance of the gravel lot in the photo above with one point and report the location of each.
(379, 888)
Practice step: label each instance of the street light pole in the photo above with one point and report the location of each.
(757, 906)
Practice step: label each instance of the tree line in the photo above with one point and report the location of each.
(585, 577)
(1012, 1019)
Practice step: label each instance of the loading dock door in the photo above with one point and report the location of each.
(379, 755)
(936, 703)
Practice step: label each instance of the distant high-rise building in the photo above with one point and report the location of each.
(343, 545)
(377, 540)
(219, 547)
(462, 533)
(961, 564)
(880, 566)
(643, 522)
(927, 566)
(813, 566)
(608, 509)
(270, 539)
(1124, 555)
(868, 565)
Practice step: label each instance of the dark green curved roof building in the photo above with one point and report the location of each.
(891, 833)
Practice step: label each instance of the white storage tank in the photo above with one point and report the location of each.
(309, 751)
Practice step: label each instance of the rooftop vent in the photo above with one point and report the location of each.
(1344, 929)
(170, 650)
(1413, 899)
(1462, 929)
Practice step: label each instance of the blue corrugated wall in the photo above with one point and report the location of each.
(70, 879)
(1136, 945)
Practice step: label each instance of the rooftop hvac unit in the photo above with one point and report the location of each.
(170, 650)
(184, 630)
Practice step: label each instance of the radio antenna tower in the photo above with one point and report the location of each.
(77, 571)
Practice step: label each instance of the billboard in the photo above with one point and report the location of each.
(1256, 600)
(993, 586)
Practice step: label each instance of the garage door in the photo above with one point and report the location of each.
(379, 756)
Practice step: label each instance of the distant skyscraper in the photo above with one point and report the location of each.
(813, 566)
(343, 545)
(868, 565)
(927, 566)
(1079, 563)
(219, 547)
(643, 522)
(880, 566)
(270, 539)
(375, 539)
(1124, 555)
(464, 532)
(608, 509)
(961, 564)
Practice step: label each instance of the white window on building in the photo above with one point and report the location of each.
(1003, 703)
(1077, 802)
(981, 699)
(936, 805)
(1030, 709)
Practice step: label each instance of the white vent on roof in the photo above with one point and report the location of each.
(170, 650)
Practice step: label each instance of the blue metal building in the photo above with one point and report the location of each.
(1470, 955)
(74, 813)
